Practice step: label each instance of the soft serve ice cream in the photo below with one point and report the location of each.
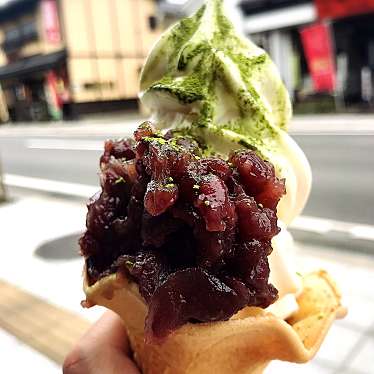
(205, 80)
(202, 78)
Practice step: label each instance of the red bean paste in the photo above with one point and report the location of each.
(194, 232)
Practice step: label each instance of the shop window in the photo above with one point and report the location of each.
(12, 39)
(152, 22)
(16, 37)
(29, 31)
(93, 86)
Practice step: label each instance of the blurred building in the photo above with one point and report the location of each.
(323, 48)
(66, 57)
(175, 9)
(172, 10)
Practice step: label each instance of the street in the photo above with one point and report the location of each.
(342, 164)
(343, 176)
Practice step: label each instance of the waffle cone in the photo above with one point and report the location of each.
(244, 345)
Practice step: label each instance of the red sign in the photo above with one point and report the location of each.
(51, 80)
(319, 53)
(50, 21)
(343, 8)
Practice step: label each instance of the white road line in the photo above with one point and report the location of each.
(65, 144)
(52, 186)
(317, 225)
(363, 232)
(324, 226)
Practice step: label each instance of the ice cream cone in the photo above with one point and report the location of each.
(244, 345)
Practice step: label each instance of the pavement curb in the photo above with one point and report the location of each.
(334, 239)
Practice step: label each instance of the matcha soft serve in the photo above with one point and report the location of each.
(204, 79)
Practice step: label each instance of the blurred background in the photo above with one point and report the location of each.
(69, 72)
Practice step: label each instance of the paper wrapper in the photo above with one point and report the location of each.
(243, 345)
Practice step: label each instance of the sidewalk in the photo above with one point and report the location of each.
(39, 255)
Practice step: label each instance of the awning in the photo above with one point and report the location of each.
(32, 64)
(280, 18)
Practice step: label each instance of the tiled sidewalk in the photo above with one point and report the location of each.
(38, 239)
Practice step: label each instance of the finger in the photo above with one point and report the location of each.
(106, 361)
(103, 349)
(108, 331)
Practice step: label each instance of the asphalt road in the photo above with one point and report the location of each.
(343, 168)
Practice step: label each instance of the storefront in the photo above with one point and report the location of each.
(35, 87)
(324, 49)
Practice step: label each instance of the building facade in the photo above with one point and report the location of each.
(60, 58)
(279, 27)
